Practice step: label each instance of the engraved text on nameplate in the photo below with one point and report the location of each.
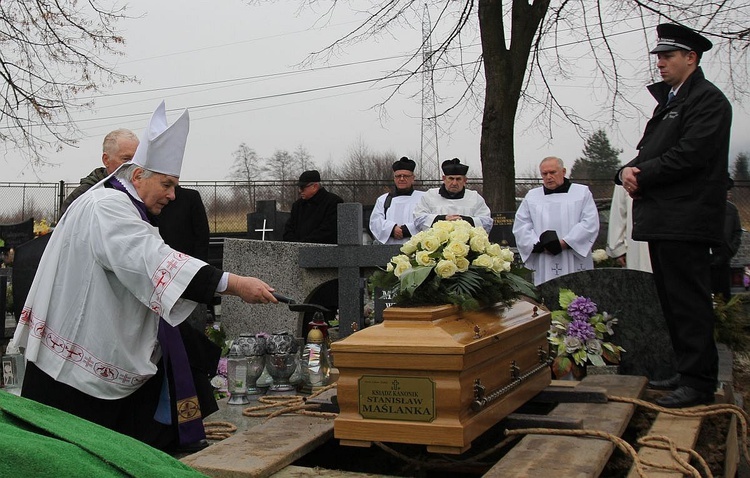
(397, 398)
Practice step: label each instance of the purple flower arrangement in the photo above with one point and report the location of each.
(577, 336)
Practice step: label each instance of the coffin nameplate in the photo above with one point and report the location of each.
(384, 397)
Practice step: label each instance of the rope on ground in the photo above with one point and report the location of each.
(700, 411)
(219, 430)
(275, 405)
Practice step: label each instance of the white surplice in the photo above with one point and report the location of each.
(92, 313)
(400, 212)
(433, 204)
(620, 233)
(572, 215)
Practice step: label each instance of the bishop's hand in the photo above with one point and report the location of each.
(250, 289)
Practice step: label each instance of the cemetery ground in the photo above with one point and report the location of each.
(414, 461)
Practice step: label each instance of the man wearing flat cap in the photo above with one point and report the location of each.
(452, 201)
(314, 215)
(392, 218)
(556, 225)
(678, 182)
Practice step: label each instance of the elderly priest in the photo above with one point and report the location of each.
(556, 225)
(99, 326)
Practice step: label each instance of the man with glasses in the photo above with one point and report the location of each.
(314, 214)
(392, 218)
(452, 201)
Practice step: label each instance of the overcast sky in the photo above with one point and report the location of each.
(237, 69)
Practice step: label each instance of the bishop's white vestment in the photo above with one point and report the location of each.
(400, 212)
(92, 314)
(433, 204)
(572, 215)
(620, 233)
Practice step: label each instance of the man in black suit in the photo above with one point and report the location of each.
(678, 183)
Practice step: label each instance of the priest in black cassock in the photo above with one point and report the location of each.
(314, 214)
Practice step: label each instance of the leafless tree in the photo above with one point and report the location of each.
(527, 45)
(51, 52)
(245, 168)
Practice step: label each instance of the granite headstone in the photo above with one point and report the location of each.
(631, 296)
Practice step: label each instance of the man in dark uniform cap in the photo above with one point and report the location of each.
(314, 215)
(678, 183)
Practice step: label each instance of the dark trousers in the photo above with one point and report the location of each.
(721, 280)
(682, 273)
(132, 415)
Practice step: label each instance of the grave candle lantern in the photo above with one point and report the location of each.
(237, 376)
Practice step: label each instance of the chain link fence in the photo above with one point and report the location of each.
(229, 202)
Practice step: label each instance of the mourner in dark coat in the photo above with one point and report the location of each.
(678, 183)
(183, 223)
(314, 214)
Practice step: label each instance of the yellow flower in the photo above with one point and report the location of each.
(448, 255)
(389, 267)
(494, 249)
(446, 226)
(410, 246)
(431, 242)
(460, 249)
(400, 259)
(477, 231)
(507, 255)
(463, 264)
(446, 269)
(499, 265)
(484, 260)
(459, 235)
(401, 267)
(423, 259)
(462, 225)
(479, 243)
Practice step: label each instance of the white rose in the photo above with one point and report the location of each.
(389, 267)
(507, 255)
(401, 267)
(494, 249)
(446, 269)
(430, 242)
(463, 264)
(599, 255)
(459, 249)
(459, 235)
(409, 246)
(423, 259)
(479, 243)
(400, 259)
(446, 226)
(483, 260)
(499, 265)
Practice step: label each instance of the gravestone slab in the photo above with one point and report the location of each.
(502, 229)
(274, 262)
(631, 296)
(350, 257)
(266, 223)
(16, 234)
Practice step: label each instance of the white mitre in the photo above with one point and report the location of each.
(162, 147)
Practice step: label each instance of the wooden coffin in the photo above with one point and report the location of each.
(439, 377)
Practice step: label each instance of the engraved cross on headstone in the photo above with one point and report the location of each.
(349, 256)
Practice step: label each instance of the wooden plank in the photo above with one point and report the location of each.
(682, 430)
(264, 449)
(304, 472)
(545, 455)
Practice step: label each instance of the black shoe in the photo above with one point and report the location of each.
(670, 383)
(685, 397)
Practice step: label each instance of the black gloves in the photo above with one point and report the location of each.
(549, 242)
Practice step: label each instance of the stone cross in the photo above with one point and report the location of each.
(263, 231)
(349, 256)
